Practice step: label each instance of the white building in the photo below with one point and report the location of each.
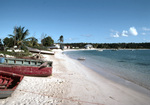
(88, 46)
(55, 46)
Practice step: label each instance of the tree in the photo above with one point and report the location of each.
(61, 39)
(1, 43)
(9, 42)
(32, 42)
(19, 35)
(47, 41)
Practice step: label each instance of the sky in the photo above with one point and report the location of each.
(87, 21)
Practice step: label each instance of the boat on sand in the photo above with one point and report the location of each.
(8, 83)
(28, 67)
(40, 51)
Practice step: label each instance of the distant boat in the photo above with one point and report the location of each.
(28, 67)
(100, 50)
(81, 58)
(8, 83)
(114, 50)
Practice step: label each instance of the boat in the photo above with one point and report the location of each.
(81, 58)
(27, 67)
(40, 51)
(100, 50)
(8, 83)
(114, 50)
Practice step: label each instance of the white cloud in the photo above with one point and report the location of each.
(133, 31)
(116, 35)
(145, 29)
(124, 33)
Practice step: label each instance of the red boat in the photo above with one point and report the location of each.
(28, 67)
(8, 83)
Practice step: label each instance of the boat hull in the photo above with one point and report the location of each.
(8, 83)
(27, 70)
(6, 93)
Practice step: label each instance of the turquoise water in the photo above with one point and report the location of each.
(133, 66)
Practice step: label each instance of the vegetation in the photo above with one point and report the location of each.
(48, 41)
(31, 42)
(1, 45)
(9, 42)
(112, 45)
(19, 36)
(61, 39)
(16, 54)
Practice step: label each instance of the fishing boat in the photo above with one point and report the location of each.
(8, 83)
(28, 67)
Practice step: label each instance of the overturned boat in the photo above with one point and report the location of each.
(27, 67)
(8, 83)
(40, 51)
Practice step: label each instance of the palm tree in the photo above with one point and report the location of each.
(19, 35)
(61, 39)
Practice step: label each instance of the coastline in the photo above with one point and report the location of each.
(105, 72)
(72, 84)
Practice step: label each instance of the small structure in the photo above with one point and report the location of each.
(55, 46)
(88, 46)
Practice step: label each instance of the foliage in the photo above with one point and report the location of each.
(31, 42)
(1, 43)
(48, 41)
(16, 54)
(112, 45)
(19, 35)
(61, 39)
(9, 42)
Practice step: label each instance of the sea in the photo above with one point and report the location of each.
(123, 66)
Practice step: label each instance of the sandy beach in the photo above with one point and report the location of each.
(72, 84)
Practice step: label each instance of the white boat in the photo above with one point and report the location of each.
(81, 58)
(100, 50)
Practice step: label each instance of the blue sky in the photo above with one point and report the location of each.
(96, 21)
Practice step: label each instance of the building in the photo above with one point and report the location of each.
(55, 46)
(88, 46)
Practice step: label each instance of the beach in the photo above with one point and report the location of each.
(72, 83)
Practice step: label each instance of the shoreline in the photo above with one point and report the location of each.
(116, 78)
(72, 84)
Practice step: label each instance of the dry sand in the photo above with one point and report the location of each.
(72, 84)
